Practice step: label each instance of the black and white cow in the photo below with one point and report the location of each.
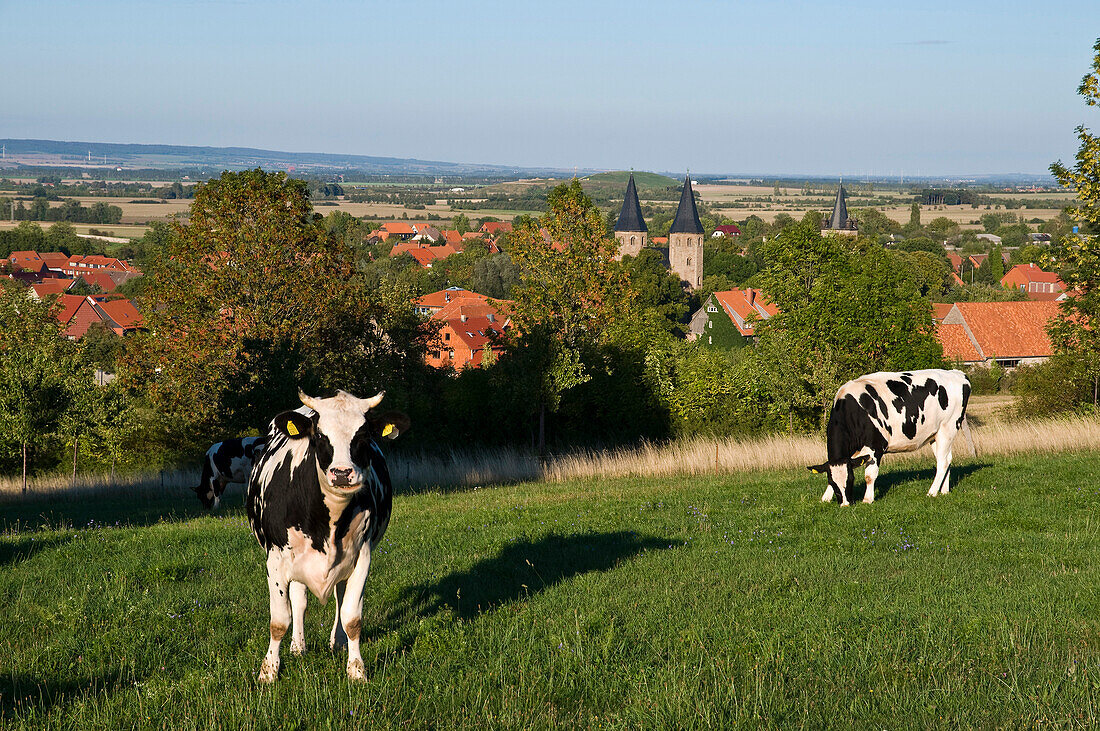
(893, 412)
(319, 500)
(226, 462)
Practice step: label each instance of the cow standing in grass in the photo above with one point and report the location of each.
(226, 462)
(893, 412)
(319, 501)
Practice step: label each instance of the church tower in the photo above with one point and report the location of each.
(630, 229)
(685, 240)
(838, 222)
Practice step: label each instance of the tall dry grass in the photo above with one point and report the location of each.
(459, 469)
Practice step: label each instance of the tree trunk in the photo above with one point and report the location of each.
(1095, 388)
(24, 468)
(542, 430)
(76, 440)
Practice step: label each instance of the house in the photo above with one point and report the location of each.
(472, 326)
(430, 304)
(399, 229)
(466, 340)
(427, 233)
(991, 238)
(117, 314)
(720, 231)
(453, 237)
(52, 286)
(956, 261)
(1039, 238)
(1005, 333)
(1033, 280)
(495, 228)
(742, 307)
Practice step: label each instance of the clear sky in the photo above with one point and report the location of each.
(822, 88)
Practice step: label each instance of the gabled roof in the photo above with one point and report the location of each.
(687, 216)
(956, 261)
(99, 278)
(443, 297)
(957, 344)
(940, 310)
(398, 227)
(630, 216)
(1032, 273)
(495, 227)
(50, 286)
(839, 219)
(742, 304)
(121, 314)
(26, 260)
(1006, 329)
(728, 230)
(452, 236)
(70, 303)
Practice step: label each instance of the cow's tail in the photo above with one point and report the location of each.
(969, 439)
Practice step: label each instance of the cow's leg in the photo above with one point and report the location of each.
(298, 610)
(942, 449)
(278, 588)
(870, 473)
(828, 496)
(337, 638)
(351, 611)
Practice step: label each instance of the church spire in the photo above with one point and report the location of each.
(687, 217)
(839, 219)
(630, 217)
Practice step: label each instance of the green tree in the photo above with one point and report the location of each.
(461, 223)
(1077, 333)
(996, 263)
(38, 368)
(252, 300)
(62, 237)
(844, 309)
(570, 293)
(914, 215)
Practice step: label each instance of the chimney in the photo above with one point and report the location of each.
(464, 318)
(491, 317)
(750, 295)
(447, 297)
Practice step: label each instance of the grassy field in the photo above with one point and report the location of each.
(711, 601)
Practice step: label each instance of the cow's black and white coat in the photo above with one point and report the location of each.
(318, 501)
(893, 412)
(226, 462)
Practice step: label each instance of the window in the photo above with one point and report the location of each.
(631, 240)
(689, 261)
(712, 308)
(446, 336)
(451, 354)
(1008, 363)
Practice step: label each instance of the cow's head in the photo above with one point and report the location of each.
(340, 432)
(841, 476)
(205, 491)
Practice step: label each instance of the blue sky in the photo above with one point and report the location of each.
(767, 87)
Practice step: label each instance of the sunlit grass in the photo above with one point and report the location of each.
(705, 601)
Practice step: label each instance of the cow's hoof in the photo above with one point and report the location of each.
(268, 672)
(298, 648)
(355, 669)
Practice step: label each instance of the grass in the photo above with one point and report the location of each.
(709, 601)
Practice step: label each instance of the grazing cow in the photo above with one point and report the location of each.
(225, 462)
(894, 412)
(319, 501)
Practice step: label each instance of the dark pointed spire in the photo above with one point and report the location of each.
(687, 217)
(630, 217)
(839, 219)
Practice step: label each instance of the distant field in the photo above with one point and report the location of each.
(682, 602)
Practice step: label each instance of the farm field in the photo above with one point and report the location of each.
(698, 602)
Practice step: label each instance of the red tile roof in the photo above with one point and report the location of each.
(99, 278)
(940, 310)
(1006, 329)
(729, 230)
(26, 260)
(398, 227)
(495, 227)
(742, 304)
(452, 237)
(956, 344)
(956, 261)
(438, 300)
(122, 313)
(54, 285)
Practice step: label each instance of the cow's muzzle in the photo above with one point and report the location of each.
(343, 477)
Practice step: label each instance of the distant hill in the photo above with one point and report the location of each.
(54, 153)
(644, 181)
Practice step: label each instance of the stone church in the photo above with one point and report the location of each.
(685, 237)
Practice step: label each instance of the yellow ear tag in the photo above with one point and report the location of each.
(816, 472)
(291, 429)
(387, 429)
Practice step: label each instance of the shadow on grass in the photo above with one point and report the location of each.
(18, 550)
(520, 569)
(889, 480)
(34, 513)
(21, 693)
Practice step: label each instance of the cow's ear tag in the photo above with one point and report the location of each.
(291, 429)
(387, 429)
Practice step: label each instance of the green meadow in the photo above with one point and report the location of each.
(704, 602)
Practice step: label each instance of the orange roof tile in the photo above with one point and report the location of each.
(1008, 329)
(437, 300)
(495, 227)
(54, 285)
(398, 227)
(940, 310)
(122, 312)
(956, 344)
(736, 304)
(70, 303)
